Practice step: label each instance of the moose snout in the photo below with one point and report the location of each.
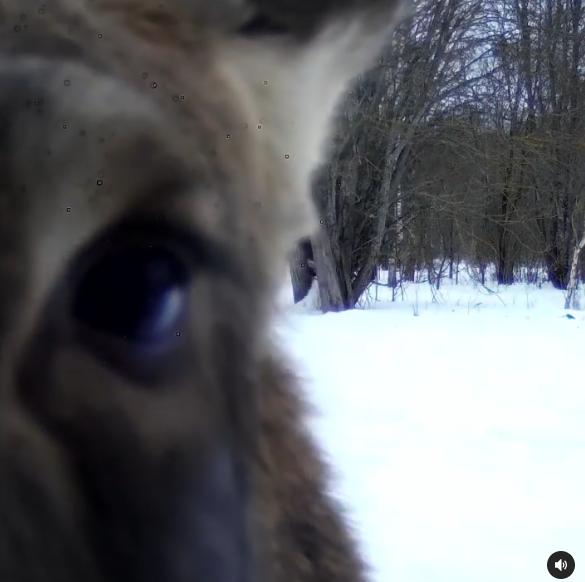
(105, 516)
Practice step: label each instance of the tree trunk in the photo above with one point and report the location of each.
(556, 268)
(392, 278)
(571, 300)
(330, 291)
(504, 264)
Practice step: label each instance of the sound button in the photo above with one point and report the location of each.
(561, 565)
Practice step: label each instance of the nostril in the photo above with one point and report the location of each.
(213, 521)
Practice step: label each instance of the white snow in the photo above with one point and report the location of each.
(457, 435)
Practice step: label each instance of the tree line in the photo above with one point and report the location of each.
(464, 145)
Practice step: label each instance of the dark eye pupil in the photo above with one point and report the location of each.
(137, 293)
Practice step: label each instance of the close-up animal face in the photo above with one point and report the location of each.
(155, 167)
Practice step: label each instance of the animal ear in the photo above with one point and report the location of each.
(300, 18)
(295, 59)
(291, 60)
(305, 18)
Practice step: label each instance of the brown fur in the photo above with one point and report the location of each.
(310, 540)
(177, 123)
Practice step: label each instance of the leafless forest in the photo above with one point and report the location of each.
(464, 146)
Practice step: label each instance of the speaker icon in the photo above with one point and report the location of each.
(561, 565)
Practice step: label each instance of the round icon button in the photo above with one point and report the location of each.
(561, 565)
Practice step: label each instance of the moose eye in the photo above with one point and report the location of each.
(134, 292)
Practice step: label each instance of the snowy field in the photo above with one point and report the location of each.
(458, 434)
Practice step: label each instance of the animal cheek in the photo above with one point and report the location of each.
(40, 528)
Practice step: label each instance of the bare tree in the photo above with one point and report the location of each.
(464, 144)
(360, 189)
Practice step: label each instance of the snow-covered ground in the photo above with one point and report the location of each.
(458, 434)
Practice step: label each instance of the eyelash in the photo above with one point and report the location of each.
(192, 248)
(262, 25)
